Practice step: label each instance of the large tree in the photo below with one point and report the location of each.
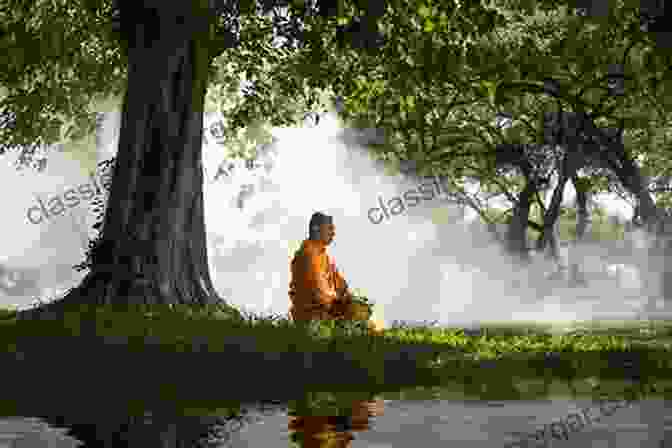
(161, 57)
(152, 248)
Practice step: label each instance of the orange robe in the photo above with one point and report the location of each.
(316, 283)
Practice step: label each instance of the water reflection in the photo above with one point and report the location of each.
(313, 422)
(158, 429)
(437, 415)
(311, 430)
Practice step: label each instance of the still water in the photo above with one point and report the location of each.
(420, 417)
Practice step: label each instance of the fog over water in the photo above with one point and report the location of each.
(414, 269)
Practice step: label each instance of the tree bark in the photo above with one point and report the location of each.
(583, 219)
(549, 233)
(517, 231)
(513, 155)
(583, 225)
(573, 159)
(153, 247)
(630, 176)
(612, 154)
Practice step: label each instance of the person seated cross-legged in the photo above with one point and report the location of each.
(318, 291)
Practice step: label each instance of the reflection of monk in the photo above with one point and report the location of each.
(316, 431)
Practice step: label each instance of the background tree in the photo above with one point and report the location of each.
(544, 42)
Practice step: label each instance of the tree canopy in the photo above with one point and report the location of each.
(433, 75)
(61, 71)
(438, 95)
(436, 76)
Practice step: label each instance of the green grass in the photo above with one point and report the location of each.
(175, 327)
(160, 316)
(326, 355)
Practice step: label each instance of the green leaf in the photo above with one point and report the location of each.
(490, 87)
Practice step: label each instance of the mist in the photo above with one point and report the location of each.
(430, 263)
(415, 270)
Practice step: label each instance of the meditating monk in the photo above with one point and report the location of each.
(317, 290)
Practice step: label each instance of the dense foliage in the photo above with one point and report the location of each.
(428, 77)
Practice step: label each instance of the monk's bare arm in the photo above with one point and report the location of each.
(342, 289)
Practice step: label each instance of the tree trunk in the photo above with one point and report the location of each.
(583, 219)
(631, 177)
(153, 247)
(517, 232)
(655, 221)
(570, 163)
(583, 223)
(610, 152)
(549, 234)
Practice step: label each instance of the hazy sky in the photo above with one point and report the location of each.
(21, 190)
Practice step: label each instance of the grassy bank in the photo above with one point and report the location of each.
(187, 353)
